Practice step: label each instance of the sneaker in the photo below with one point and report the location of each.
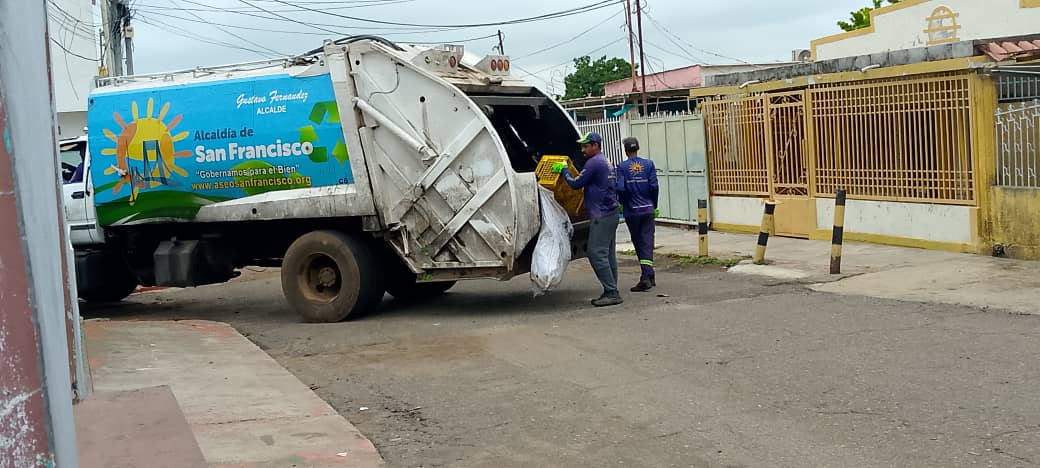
(607, 301)
(653, 281)
(642, 286)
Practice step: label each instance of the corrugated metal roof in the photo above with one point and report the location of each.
(1005, 50)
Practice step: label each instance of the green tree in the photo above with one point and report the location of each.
(861, 18)
(589, 77)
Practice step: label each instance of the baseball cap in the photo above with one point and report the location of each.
(630, 144)
(591, 137)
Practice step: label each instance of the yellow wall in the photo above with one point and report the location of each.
(1015, 221)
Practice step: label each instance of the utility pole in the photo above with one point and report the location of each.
(642, 56)
(501, 51)
(128, 35)
(631, 42)
(108, 60)
(115, 18)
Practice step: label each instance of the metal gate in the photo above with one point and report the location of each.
(676, 144)
(789, 163)
(786, 145)
(612, 131)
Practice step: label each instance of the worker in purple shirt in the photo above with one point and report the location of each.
(638, 193)
(597, 178)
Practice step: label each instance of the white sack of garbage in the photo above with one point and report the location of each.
(552, 252)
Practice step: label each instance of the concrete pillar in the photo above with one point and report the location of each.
(36, 422)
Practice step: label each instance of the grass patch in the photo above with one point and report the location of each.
(688, 260)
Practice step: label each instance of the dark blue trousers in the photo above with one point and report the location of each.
(641, 229)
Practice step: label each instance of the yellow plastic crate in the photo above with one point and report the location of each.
(571, 200)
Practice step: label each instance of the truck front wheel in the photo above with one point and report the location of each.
(328, 276)
(103, 277)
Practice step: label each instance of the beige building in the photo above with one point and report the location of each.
(912, 24)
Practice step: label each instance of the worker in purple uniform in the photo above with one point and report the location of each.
(638, 192)
(597, 178)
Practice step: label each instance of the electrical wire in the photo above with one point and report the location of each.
(313, 33)
(461, 41)
(232, 34)
(56, 12)
(282, 19)
(208, 9)
(173, 30)
(568, 40)
(668, 33)
(699, 61)
(559, 14)
(245, 28)
(589, 53)
(69, 52)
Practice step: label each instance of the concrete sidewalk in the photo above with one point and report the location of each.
(244, 409)
(873, 270)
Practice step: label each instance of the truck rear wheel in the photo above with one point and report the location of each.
(328, 276)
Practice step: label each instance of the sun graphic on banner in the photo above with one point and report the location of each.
(147, 139)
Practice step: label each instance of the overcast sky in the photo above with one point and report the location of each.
(168, 35)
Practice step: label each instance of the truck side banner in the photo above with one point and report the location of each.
(164, 152)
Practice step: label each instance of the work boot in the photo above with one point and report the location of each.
(608, 300)
(644, 285)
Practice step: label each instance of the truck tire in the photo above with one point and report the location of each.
(110, 280)
(411, 291)
(328, 276)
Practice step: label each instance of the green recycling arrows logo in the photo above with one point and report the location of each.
(324, 113)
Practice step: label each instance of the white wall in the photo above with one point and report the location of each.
(70, 124)
(905, 28)
(745, 211)
(71, 26)
(29, 138)
(940, 223)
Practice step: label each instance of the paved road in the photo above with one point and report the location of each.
(727, 371)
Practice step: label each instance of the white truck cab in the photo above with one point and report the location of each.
(101, 276)
(80, 214)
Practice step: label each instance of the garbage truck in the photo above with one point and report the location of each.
(360, 168)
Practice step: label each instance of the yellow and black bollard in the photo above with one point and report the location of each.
(839, 232)
(763, 235)
(702, 226)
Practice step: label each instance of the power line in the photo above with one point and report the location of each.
(313, 33)
(246, 28)
(204, 20)
(174, 30)
(69, 52)
(474, 39)
(589, 53)
(281, 18)
(568, 40)
(289, 19)
(675, 54)
(667, 32)
(554, 15)
(209, 9)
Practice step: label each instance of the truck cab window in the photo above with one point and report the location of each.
(72, 156)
